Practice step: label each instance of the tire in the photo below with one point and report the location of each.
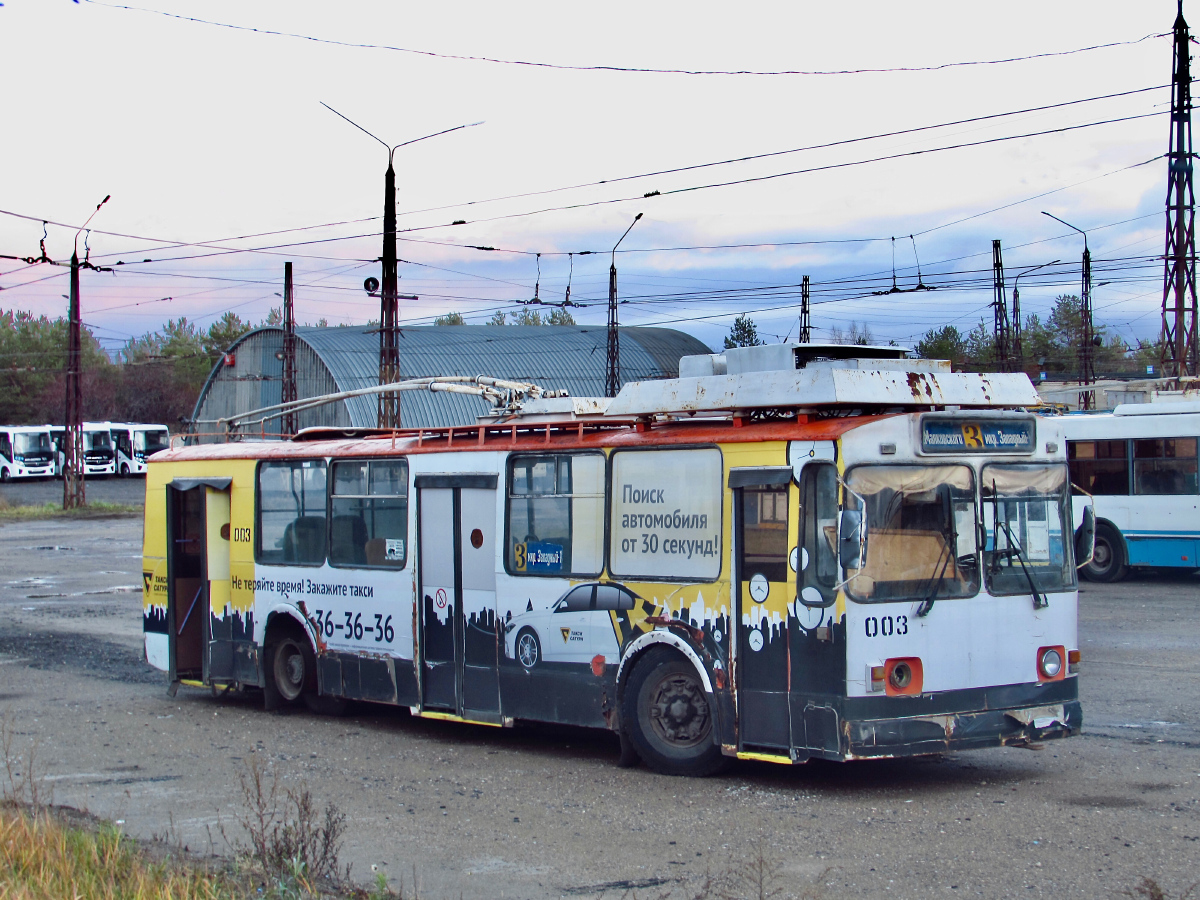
(124, 470)
(292, 669)
(669, 718)
(5, 475)
(1109, 562)
(528, 649)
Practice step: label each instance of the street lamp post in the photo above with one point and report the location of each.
(389, 350)
(1085, 351)
(612, 377)
(1018, 350)
(74, 493)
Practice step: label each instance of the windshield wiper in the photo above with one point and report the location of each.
(937, 581)
(950, 549)
(1039, 602)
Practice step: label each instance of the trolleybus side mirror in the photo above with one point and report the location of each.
(852, 539)
(1085, 538)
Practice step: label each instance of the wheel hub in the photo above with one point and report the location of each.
(679, 711)
(295, 669)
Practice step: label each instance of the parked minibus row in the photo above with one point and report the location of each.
(109, 448)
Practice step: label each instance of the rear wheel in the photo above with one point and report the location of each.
(669, 718)
(1109, 562)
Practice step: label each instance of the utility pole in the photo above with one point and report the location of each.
(1000, 310)
(1085, 352)
(288, 392)
(1179, 308)
(805, 322)
(389, 352)
(612, 379)
(74, 492)
(389, 297)
(1018, 351)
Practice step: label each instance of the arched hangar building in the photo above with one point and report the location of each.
(328, 360)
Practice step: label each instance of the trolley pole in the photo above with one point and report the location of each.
(612, 378)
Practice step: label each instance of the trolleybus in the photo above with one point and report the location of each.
(26, 452)
(1137, 465)
(783, 555)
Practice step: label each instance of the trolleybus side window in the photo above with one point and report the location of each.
(5, 446)
(555, 515)
(1026, 511)
(291, 513)
(921, 532)
(1164, 466)
(666, 514)
(1099, 467)
(817, 565)
(368, 523)
(764, 532)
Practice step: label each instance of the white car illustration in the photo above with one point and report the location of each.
(576, 628)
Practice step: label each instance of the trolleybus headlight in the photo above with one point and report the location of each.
(1050, 663)
(903, 676)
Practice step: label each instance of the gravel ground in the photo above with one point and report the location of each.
(31, 492)
(544, 812)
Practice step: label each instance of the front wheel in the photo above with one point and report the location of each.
(1108, 559)
(124, 470)
(529, 648)
(669, 718)
(5, 475)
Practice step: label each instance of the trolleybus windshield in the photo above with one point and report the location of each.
(921, 533)
(1026, 511)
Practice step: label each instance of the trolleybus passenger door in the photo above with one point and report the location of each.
(216, 555)
(457, 587)
(187, 600)
(760, 498)
(481, 644)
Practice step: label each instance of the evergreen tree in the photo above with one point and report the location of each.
(743, 333)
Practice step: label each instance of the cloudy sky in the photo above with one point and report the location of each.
(204, 122)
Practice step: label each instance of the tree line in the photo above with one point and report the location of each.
(1051, 346)
(154, 378)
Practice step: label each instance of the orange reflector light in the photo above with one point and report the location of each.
(1073, 657)
(875, 679)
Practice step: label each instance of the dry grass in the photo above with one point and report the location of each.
(45, 859)
(97, 510)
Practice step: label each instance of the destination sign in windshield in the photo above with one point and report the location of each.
(977, 435)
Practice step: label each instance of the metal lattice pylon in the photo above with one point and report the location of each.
(1179, 344)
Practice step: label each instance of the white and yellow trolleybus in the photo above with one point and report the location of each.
(789, 552)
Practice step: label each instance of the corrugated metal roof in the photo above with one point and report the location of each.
(571, 357)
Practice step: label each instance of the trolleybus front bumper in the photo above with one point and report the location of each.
(915, 735)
